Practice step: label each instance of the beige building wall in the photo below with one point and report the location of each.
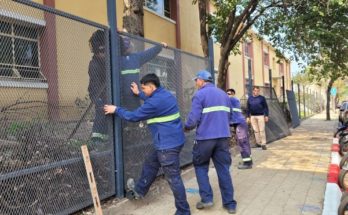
(19, 92)
(189, 28)
(159, 28)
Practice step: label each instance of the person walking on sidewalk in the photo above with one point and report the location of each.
(210, 113)
(257, 112)
(161, 111)
(238, 122)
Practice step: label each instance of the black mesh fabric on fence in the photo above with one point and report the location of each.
(295, 120)
(51, 90)
(176, 70)
(277, 127)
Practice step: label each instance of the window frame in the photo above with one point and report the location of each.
(163, 10)
(266, 59)
(14, 65)
(247, 49)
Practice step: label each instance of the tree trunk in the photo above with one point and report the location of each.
(328, 97)
(222, 69)
(202, 9)
(133, 14)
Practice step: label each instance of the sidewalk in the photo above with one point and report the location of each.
(289, 178)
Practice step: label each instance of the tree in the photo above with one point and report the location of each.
(229, 24)
(316, 32)
(133, 17)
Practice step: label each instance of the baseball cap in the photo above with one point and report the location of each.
(204, 75)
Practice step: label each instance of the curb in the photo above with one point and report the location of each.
(333, 192)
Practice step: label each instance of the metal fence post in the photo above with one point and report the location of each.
(283, 87)
(115, 76)
(292, 85)
(211, 57)
(299, 100)
(270, 83)
(250, 80)
(304, 101)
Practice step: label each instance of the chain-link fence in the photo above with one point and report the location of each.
(51, 85)
(54, 81)
(310, 100)
(176, 70)
(278, 125)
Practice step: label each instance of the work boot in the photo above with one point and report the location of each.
(256, 146)
(131, 193)
(201, 205)
(264, 147)
(231, 210)
(245, 165)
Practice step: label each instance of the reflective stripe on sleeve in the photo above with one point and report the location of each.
(237, 110)
(164, 118)
(130, 71)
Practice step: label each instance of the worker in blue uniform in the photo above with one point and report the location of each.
(130, 63)
(161, 111)
(210, 115)
(240, 125)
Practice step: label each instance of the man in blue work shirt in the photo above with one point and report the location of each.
(238, 122)
(210, 113)
(257, 113)
(161, 111)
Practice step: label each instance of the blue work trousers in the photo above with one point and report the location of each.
(218, 151)
(242, 138)
(168, 159)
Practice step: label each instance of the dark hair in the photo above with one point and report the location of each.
(150, 78)
(97, 41)
(256, 87)
(231, 90)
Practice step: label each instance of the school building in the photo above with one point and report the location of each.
(175, 22)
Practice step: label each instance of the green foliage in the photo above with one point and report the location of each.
(314, 31)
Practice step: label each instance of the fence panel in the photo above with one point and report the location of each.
(295, 120)
(50, 96)
(176, 69)
(277, 127)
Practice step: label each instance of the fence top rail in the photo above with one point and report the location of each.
(156, 43)
(61, 13)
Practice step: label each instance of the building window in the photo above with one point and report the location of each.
(265, 58)
(247, 49)
(281, 69)
(19, 56)
(161, 7)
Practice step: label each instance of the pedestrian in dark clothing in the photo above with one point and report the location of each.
(96, 86)
(210, 115)
(161, 111)
(257, 112)
(238, 122)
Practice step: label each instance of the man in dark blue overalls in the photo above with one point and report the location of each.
(210, 113)
(161, 111)
(238, 122)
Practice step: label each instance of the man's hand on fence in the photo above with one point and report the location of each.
(135, 89)
(266, 118)
(109, 109)
(248, 120)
